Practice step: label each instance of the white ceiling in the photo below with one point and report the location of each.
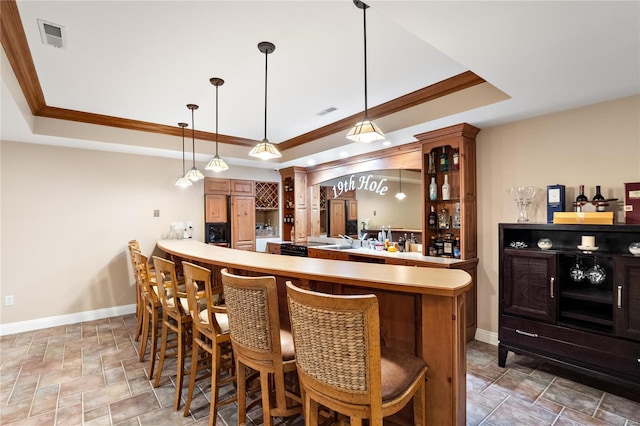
(146, 60)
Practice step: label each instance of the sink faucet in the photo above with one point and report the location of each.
(348, 238)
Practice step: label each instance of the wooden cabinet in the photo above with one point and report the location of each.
(294, 211)
(626, 293)
(530, 286)
(242, 187)
(574, 309)
(273, 248)
(337, 218)
(215, 209)
(454, 141)
(217, 186)
(352, 210)
(243, 222)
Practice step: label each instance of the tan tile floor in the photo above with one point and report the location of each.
(89, 374)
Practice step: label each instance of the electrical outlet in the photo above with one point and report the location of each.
(156, 213)
(8, 300)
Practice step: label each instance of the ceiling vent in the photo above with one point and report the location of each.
(327, 111)
(52, 34)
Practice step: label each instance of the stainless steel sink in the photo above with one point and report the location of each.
(337, 247)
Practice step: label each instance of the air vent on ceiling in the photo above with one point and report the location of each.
(52, 34)
(327, 111)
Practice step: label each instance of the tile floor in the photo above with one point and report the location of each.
(89, 374)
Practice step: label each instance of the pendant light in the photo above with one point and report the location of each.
(265, 150)
(217, 164)
(183, 182)
(400, 195)
(194, 174)
(366, 130)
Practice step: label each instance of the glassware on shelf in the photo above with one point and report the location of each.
(577, 272)
(634, 249)
(523, 197)
(545, 243)
(596, 274)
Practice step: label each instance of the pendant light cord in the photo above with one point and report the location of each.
(364, 14)
(266, 69)
(216, 121)
(193, 138)
(183, 169)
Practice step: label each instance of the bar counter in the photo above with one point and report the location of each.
(421, 309)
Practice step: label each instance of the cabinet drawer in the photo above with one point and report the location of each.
(573, 347)
(242, 187)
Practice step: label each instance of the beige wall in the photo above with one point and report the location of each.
(66, 214)
(595, 145)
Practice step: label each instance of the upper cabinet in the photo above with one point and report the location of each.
(449, 190)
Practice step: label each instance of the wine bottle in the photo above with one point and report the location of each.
(456, 248)
(599, 197)
(433, 249)
(444, 160)
(433, 218)
(446, 189)
(433, 190)
(581, 198)
(456, 159)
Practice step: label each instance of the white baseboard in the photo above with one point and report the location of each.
(487, 337)
(37, 324)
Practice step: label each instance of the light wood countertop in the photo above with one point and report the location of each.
(433, 281)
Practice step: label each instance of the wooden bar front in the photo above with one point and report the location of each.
(421, 309)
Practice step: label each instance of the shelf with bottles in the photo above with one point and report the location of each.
(443, 159)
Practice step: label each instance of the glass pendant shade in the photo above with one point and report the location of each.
(183, 182)
(366, 131)
(217, 165)
(265, 150)
(194, 174)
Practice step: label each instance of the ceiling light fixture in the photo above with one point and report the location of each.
(366, 130)
(217, 164)
(265, 150)
(400, 195)
(194, 174)
(183, 182)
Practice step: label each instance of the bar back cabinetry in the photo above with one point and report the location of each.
(576, 309)
(457, 141)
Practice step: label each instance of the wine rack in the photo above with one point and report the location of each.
(267, 196)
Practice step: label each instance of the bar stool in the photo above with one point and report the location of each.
(151, 307)
(135, 245)
(341, 365)
(260, 343)
(175, 320)
(210, 332)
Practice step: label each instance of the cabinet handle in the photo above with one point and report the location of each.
(551, 281)
(526, 333)
(619, 297)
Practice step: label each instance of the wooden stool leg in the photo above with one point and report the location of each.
(182, 348)
(215, 382)
(266, 405)
(163, 349)
(241, 377)
(192, 377)
(145, 334)
(154, 342)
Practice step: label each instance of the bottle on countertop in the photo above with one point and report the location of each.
(389, 236)
(433, 189)
(456, 248)
(581, 198)
(444, 160)
(446, 189)
(432, 249)
(433, 218)
(599, 197)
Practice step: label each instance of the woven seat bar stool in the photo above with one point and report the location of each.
(341, 365)
(176, 323)
(261, 344)
(151, 310)
(135, 245)
(210, 333)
